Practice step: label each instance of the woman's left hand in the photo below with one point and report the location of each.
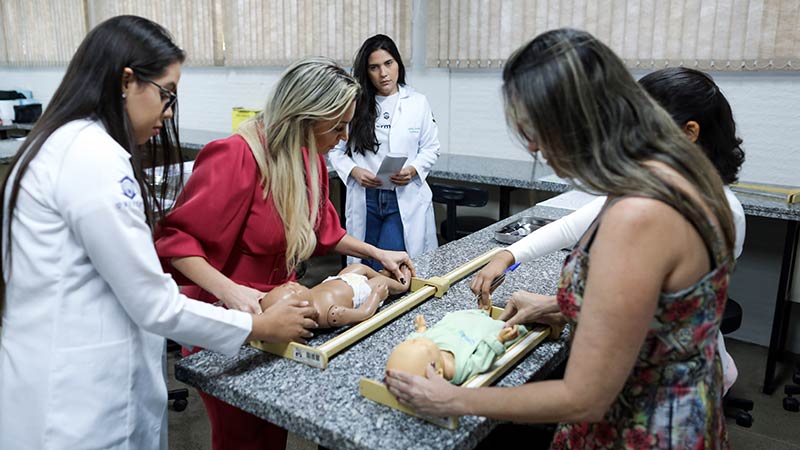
(392, 260)
(404, 176)
(433, 395)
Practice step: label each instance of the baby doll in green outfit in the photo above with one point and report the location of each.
(462, 344)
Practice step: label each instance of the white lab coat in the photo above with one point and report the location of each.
(413, 133)
(81, 352)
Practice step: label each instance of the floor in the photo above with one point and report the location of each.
(773, 427)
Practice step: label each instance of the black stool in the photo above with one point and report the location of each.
(180, 396)
(792, 403)
(455, 227)
(739, 408)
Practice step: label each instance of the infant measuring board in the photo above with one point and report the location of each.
(421, 290)
(379, 393)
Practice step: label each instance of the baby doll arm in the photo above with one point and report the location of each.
(339, 316)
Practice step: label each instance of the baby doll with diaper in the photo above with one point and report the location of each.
(350, 297)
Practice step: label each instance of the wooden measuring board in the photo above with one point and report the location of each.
(422, 290)
(379, 393)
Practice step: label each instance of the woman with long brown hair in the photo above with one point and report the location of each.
(646, 285)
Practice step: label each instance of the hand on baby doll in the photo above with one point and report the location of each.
(526, 307)
(242, 298)
(397, 264)
(285, 321)
(418, 371)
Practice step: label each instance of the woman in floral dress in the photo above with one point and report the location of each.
(645, 287)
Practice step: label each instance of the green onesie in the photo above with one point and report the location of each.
(471, 336)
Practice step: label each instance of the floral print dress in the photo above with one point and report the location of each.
(673, 396)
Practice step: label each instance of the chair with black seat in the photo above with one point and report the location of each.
(738, 408)
(180, 396)
(455, 226)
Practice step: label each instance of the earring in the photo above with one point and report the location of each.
(124, 95)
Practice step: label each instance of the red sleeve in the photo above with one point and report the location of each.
(212, 208)
(330, 230)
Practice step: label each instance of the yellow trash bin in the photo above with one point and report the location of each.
(239, 115)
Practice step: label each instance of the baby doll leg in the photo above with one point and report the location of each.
(395, 286)
(339, 316)
(357, 268)
(507, 334)
(419, 323)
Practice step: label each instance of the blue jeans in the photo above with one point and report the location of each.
(384, 225)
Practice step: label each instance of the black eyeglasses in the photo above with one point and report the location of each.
(165, 94)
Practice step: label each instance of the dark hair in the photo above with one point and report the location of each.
(92, 89)
(689, 94)
(362, 127)
(568, 92)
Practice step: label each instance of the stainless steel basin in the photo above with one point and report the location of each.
(517, 230)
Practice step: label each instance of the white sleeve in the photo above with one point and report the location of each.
(564, 232)
(342, 163)
(739, 221)
(101, 203)
(428, 148)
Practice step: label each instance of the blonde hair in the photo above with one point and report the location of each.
(571, 94)
(311, 90)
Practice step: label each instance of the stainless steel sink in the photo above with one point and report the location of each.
(517, 230)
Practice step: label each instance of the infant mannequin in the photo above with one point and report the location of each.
(350, 297)
(462, 344)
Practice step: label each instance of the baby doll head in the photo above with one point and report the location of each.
(285, 292)
(414, 355)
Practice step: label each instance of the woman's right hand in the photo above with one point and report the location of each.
(365, 178)
(242, 298)
(285, 321)
(482, 282)
(525, 307)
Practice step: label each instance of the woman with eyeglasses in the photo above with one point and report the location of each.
(86, 302)
(256, 206)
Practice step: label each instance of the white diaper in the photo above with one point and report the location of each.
(358, 283)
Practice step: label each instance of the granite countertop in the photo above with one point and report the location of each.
(498, 172)
(8, 149)
(755, 205)
(325, 406)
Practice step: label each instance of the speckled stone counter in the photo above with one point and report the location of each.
(498, 172)
(755, 205)
(8, 149)
(325, 406)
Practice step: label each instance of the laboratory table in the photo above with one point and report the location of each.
(324, 406)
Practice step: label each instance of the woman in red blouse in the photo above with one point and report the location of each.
(256, 206)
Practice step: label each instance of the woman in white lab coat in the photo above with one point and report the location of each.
(86, 302)
(390, 118)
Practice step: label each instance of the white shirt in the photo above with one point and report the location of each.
(566, 231)
(383, 126)
(81, 353)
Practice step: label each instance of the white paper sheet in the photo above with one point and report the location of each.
(390, 165)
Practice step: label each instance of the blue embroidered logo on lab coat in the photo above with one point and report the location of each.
(128, 187)
(386, 115)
